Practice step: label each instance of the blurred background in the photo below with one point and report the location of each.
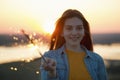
(20, 60)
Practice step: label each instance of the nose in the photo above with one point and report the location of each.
(74, 32)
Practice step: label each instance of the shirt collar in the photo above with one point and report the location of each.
(62, 50)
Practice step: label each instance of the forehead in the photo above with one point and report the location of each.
(73, 21)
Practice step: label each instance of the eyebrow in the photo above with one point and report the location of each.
(76, 25)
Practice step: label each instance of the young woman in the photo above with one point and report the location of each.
(71, 55)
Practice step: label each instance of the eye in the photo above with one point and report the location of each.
(79, 27)
(68, 27)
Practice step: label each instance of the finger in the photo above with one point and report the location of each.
(43, 63)
(50, 66)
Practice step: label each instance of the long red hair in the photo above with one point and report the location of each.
(57, 40)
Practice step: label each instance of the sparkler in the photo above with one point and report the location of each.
(32, 42)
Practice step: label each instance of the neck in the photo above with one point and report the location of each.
(76, 48)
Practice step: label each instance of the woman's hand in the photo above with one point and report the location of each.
(50, 66)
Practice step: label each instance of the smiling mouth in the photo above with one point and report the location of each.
(74, 38)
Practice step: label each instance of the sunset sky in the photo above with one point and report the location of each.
(40, 15)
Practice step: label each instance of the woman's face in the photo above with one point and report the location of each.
(73, 31)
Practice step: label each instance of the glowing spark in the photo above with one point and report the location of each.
(37, 72)
(32, 42)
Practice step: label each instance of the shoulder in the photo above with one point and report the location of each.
(92, 55)
(52, 53)
(95, 56)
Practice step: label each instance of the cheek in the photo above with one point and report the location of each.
(82, 32)
(65, 33)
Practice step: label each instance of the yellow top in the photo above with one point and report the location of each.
(77, 67)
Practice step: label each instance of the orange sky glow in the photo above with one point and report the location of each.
(40, 15)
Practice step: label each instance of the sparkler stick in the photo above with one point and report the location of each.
(31, 41)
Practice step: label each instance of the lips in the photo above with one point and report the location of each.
(74, 38)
